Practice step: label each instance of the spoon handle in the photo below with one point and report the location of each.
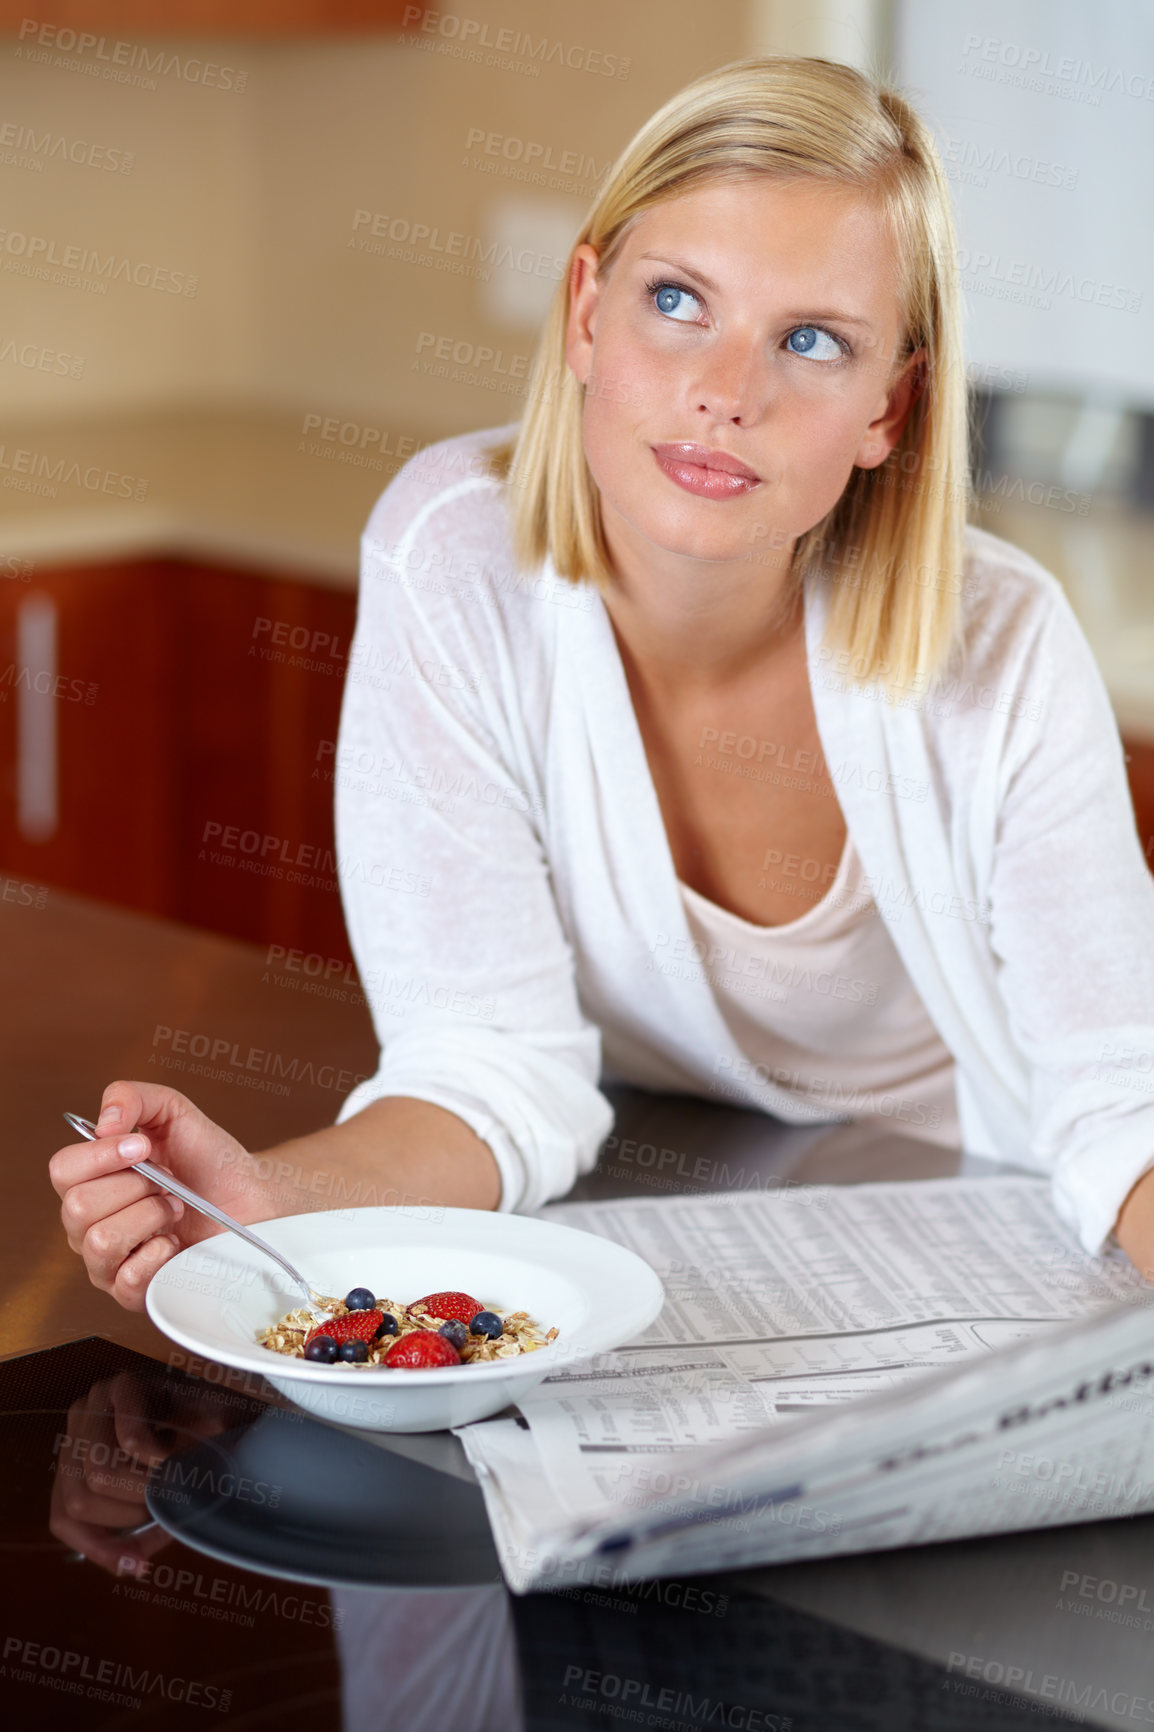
(168, 1183)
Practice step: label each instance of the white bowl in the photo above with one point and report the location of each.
(213, 1298)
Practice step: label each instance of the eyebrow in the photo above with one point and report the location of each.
(708, 283)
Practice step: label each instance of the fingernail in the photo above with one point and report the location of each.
(132, 1148)
(108, 1116)
(176, 1206)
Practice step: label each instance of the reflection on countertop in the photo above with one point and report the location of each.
(302, 1575)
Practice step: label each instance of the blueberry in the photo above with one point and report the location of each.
(487, 1323)
(322, 1348)
(353, 1352)
(387, 1326)
(454, 1330)
(360, 1299)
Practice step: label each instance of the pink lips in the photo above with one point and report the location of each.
(699, 469)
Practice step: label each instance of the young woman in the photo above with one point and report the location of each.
(692, 738)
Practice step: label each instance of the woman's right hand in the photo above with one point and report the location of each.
(124, 1226)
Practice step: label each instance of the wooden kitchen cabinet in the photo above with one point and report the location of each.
(172, 714)
(84, 745)
(216, 17)
(260, 664)
(180, 710)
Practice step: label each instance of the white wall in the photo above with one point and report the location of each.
(854, 31)
(1044, 111)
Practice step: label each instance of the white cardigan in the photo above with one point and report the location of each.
(507, 881)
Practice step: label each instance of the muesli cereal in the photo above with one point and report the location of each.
(436, 1330)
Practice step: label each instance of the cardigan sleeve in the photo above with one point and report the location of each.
(1072, 927)
(443, 871)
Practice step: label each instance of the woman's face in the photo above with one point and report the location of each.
(759, 319)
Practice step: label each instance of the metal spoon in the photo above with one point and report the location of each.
(313, 1299)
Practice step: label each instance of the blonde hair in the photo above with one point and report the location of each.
(894, 539)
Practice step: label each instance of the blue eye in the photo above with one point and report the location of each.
(669, 299)
(667, 296)
(808, 337)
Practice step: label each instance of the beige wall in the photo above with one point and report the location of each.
(186, 208)
(254, 193)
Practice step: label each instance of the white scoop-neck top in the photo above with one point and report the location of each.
(823, 1007)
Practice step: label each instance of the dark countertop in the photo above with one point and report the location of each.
(282, 1616)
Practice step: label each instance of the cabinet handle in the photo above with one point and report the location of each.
(37, 782)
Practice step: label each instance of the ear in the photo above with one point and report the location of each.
(584, 294)
(883, 434)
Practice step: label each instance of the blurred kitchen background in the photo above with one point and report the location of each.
(232, 306)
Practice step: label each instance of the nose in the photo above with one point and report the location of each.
(731, 384)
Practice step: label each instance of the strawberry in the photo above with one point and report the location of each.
(450, 1306)
(353, 1326)
(420, 1349)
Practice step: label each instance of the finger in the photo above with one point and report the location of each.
(207, 1420)
(105, 1508)
(110, 1241)
(88, 1423)
(137, 1271)
(102, 1199)
(115, 1488)
(155, 1106)
(104, 1547)
(133, 1407)
(137, 1434)
(92, 1463)
(90, 1406)
(79, 1536)
(77, 1163)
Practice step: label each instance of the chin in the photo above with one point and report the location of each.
(675, 528)
(705, 542)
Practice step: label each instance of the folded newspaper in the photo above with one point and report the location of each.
(835, 1369)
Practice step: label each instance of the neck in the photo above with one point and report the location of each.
(690, 624)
